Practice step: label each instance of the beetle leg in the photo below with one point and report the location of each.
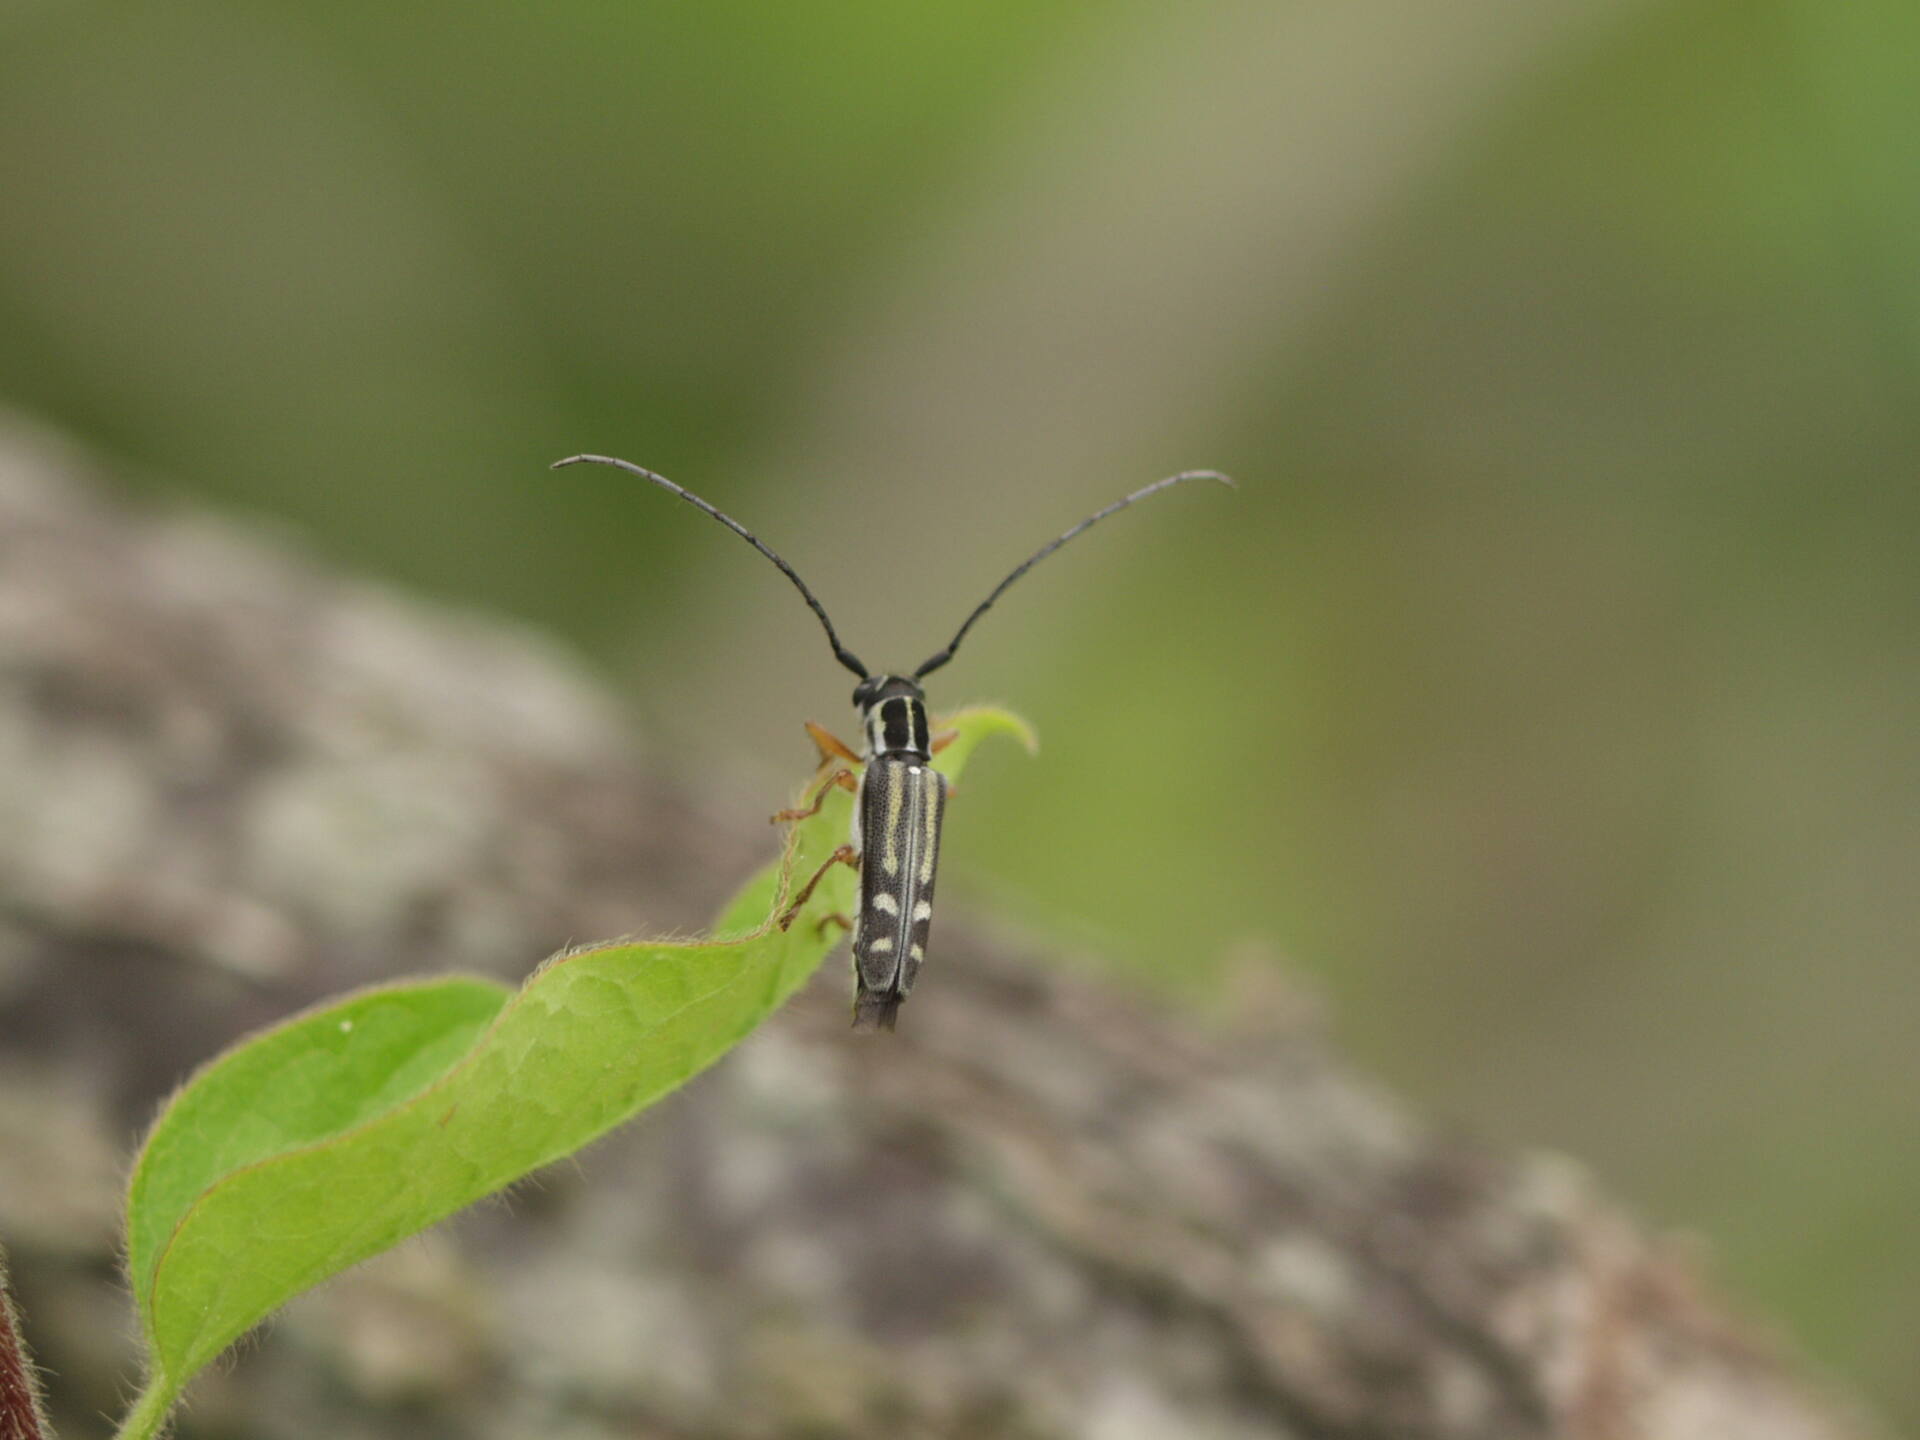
(830, 746)
(842, 778)
(844, 921)
(845, 855)
(940, 742)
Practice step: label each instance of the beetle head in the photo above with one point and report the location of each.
(875, 688)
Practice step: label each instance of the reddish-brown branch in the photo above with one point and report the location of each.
(20, 1415)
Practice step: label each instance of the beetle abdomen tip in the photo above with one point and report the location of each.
(876, 1010)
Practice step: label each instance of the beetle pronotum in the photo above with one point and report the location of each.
(899, 797)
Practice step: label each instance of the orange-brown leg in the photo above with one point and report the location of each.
(841, 778)
(843, 856)
(844, 921)
(830, 746)
(940, 742)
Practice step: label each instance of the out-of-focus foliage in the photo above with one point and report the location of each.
(1549, 690)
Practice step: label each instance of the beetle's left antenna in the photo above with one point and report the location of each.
(941, 657)
(840, 652)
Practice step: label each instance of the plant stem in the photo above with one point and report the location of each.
(147, 1420)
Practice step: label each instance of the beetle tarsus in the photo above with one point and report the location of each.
(844, 779)
(845, 855)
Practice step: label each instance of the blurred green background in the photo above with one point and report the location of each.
(1548, 695)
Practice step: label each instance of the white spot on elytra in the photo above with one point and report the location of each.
(886, 904)
(922, 911)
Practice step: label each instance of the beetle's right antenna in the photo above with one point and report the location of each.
(840, 652)
(941, 657)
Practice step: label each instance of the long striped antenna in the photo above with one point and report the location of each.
(840, 652)
(941, 657)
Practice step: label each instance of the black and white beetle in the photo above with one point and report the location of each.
(899, 797)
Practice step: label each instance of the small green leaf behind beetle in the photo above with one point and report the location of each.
(312, 1146)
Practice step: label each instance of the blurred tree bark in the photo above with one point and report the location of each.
(231, 783)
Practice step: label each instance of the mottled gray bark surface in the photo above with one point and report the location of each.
(231, 783)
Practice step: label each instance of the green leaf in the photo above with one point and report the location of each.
(316, 1144)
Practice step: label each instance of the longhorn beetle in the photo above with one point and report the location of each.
(899, 797)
